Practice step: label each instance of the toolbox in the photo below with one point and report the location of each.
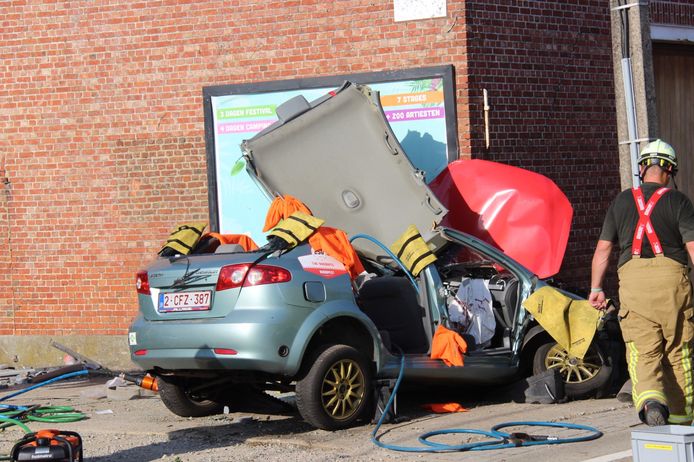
(666, 443)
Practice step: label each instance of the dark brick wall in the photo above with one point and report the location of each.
(548, 69)
(673, 13)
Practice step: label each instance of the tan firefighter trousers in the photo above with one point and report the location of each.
(656, 320)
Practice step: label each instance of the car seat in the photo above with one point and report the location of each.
(391, 303)
(511, 302)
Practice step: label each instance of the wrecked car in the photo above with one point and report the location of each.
(284, 319)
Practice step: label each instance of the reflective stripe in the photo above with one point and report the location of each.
(688, 387)
(652, 395)
(679, 419)
(644, 224)
(633, 360)
(640, 398)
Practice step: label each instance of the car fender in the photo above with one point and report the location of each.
(534, 331)
(333, 311)
(321, 316)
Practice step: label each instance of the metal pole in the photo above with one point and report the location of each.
(631, 120)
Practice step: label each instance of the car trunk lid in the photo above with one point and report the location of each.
(184, 288)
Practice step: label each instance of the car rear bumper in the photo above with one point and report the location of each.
(172, 345)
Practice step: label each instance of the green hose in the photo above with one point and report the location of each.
(55, 414)
(8, 422)
(47, 414)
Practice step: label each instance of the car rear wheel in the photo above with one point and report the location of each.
(179, 398)
(582, 377)
(336, 390)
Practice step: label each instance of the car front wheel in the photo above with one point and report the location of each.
(336, 390)
(582, 377)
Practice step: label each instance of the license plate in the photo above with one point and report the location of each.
(184, 301)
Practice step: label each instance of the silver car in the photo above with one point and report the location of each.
(221, 320)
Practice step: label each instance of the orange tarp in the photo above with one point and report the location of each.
(330, 241)
(442, 408)
(448, 346)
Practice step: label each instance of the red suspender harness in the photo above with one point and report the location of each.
(644, 224)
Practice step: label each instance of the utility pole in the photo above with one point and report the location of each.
(637, 121)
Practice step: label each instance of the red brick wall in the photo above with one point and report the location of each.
(102, 127)
(548, 69)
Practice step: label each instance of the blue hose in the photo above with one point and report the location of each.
(390, 254)
(54, 379)
(500, 440)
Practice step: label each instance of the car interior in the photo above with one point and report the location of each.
(404, 318)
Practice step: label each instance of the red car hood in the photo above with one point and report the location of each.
(520, 212)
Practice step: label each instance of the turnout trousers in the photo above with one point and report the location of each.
(656, 320)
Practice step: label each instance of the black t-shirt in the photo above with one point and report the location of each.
(672, 218)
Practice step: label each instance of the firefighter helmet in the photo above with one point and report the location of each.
(659, 153)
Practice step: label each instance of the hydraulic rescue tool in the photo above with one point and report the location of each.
(52, 445)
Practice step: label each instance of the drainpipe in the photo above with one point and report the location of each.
(631, 120)
(634, 85)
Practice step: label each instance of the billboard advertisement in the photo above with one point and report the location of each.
(418, 103)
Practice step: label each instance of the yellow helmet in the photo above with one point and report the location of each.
(659, 153)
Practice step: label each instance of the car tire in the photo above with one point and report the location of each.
(589, 377)
(178, 398)
(337, 389)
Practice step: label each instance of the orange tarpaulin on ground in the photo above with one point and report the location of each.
(330, 241)
(448, 346)
(442, 408)
(241, 239)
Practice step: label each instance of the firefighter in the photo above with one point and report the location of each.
(653, 226)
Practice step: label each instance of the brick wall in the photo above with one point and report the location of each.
(548, 69)
(101, 123)
(101, 127)
(673, 13)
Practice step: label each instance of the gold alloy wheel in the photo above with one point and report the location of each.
(573, 370)
(343, 389)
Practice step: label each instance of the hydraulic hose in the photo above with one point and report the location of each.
(499, 440)
(390, 254)
(14, 415)
(55, 379)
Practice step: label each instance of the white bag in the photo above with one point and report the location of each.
(474, 295)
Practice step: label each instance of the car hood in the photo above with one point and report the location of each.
(520, 212)
(339, 156)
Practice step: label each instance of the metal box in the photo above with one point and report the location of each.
(667, 443)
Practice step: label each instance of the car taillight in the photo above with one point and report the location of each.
(233, 276)
(225, 351)
(142, 282)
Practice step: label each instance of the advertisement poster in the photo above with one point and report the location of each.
(415, 109)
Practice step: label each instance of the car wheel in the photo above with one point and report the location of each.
(582, 377)
(336, 390)
(179, 399)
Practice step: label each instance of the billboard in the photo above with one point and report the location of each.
(418, 103)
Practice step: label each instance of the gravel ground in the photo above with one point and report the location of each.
(124, 426)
